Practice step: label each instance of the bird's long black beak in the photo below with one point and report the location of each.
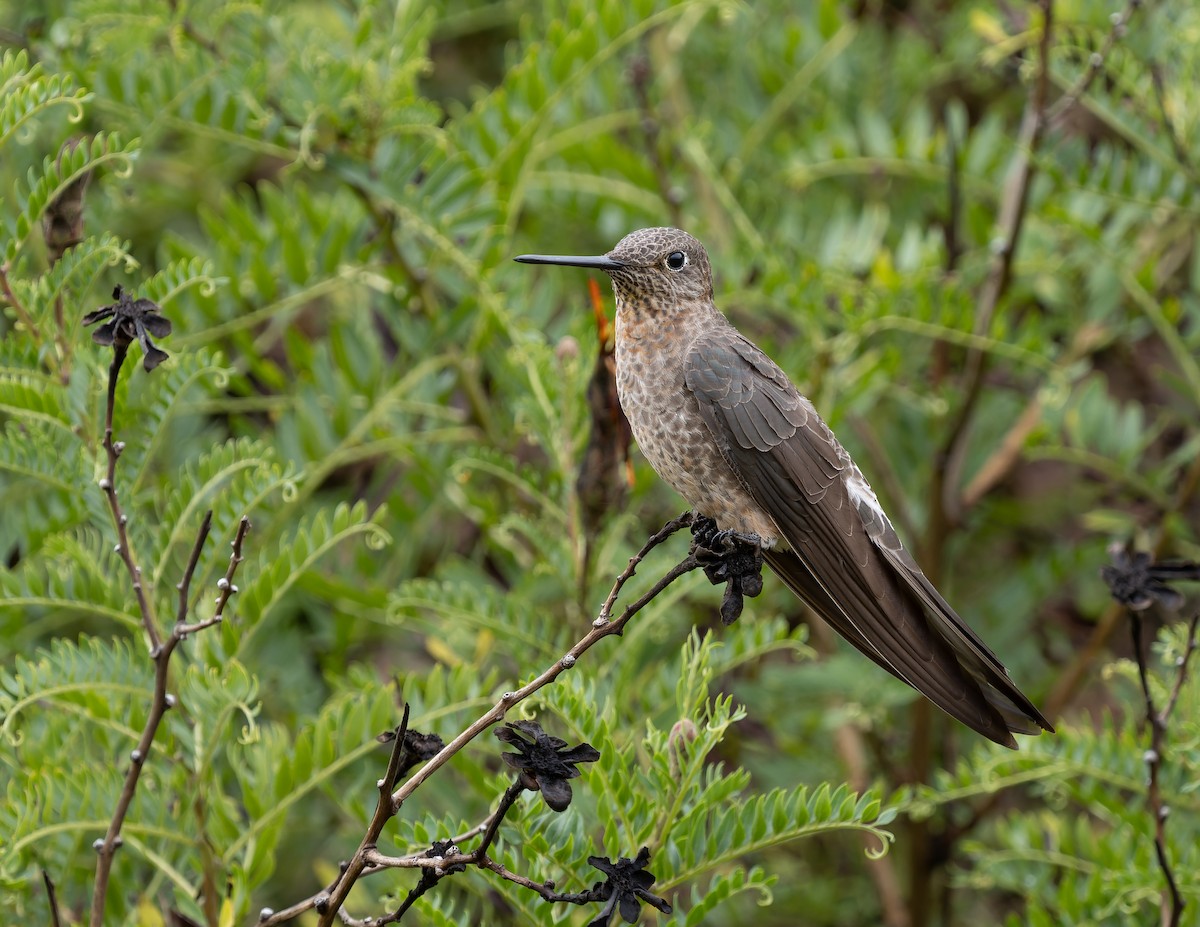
(598, 262)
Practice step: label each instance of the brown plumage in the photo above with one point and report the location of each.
(723, 425)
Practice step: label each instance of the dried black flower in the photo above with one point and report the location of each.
(627, 886)
(1136, 581)
(544, 763)
(418, 748)
(442, 848)
(131, 320)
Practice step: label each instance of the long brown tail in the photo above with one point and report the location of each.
(978, 696)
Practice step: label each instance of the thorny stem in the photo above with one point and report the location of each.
(1172, 901)
(329, 902)
(160, 651)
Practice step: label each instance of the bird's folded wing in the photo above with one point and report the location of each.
(792, 465)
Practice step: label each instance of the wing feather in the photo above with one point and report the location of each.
(846, 560)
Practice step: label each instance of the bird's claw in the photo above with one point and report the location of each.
(728, 557)
(711, 540)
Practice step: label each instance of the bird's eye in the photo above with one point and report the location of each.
(676, 260)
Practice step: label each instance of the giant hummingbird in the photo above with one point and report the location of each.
(726, 428)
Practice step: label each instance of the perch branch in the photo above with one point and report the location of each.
(329, 903)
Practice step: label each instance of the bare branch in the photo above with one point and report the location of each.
(185, 583)
(1014, 202)
(18, 308)
(1172, 902)
(161, 701)
(51, 900)
(120, 519)
(511, 794)
(225, 586)
(603, 626)
(1181, 676)
(1120, 24)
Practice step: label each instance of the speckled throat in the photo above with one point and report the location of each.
(653, 341)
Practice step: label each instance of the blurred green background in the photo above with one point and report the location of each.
(325, 198)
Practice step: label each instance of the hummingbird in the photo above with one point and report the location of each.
(722, 424)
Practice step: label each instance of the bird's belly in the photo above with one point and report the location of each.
(680, 448)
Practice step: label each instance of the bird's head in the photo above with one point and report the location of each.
(652, 270)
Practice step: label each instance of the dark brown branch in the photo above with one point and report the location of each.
(18, 307)
(1013, 206)
(1181, 676)
(1095, 62)
(1181, 152)
(945, 500)
(511, 794)
(51, 900)
(185, 583)
(1172, 902)
(161, 700)
(603, 626)
(120, 519)
(545, 889)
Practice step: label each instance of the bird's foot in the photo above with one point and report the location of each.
(711, 539)
(728, 557)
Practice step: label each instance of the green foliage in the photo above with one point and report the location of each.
(323, 198)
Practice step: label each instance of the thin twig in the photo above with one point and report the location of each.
(1172, 901)
(1120, 23)
(511, 794)
(675, 524)
(1160, 96)
(603, 626)
(1013, 208)
(161, 701)
(18, 308)
(435, 866)
(1181, 676)
(186, 583)
(120, 519)
(225, 586)
(945, 501)
(431, 875)
(546, 890)
(52, 900)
